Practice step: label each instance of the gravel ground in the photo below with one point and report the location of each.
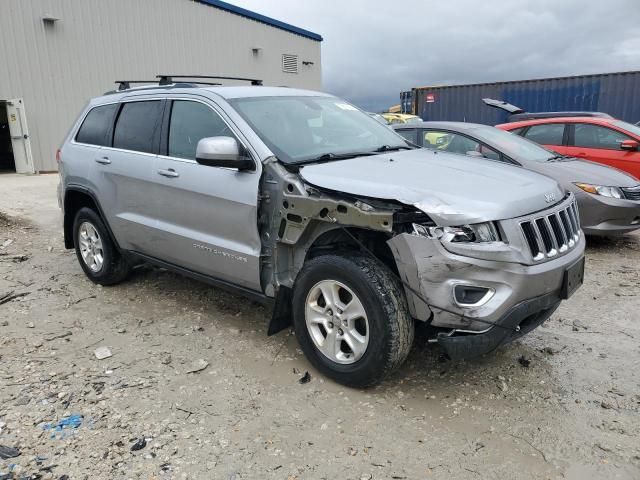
(196, 384)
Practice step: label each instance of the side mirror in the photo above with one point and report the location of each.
(629, 145)
(222, 152)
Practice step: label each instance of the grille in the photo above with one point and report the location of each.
(289, 63)
(632, 193)
(553, 233)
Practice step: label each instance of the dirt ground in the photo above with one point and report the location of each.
(563, 402)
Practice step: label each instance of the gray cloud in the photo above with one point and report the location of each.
(374, 50)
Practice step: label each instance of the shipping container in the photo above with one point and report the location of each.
(617, 94)
(406, 102)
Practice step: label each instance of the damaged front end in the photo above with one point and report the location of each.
(479, 285)
(485, 293)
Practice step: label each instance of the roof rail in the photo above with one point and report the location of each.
(126, 84)
(168, 79)
(150, 84)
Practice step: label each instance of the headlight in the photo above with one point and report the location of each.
(476, 233)
(613, 192)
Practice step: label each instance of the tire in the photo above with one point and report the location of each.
(113, 268)
(387, 328)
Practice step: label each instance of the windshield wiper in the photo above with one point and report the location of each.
(326, 157)
(389, 148)
(556, 157)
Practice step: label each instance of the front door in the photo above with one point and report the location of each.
(602, 144)
(19, 131)
(208, 216)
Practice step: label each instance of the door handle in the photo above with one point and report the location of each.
(171, 173)
(103, 160)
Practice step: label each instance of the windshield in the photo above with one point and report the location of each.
(299, 129)
(513, 145)
(635, 129)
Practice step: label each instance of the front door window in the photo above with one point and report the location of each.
(457, 143)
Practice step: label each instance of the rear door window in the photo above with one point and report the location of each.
(587, 135)
(191, 122)
(96, 128)
(137, 126)
(546, 134)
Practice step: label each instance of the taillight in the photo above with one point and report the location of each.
(58, 156)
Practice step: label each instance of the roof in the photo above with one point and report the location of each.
(226, 92)
(242, 91)
(261, 18)
(538, 121)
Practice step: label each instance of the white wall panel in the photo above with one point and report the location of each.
(57, 68)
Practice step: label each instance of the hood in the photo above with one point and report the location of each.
(452, 189)
(568, 172)
(502, 105)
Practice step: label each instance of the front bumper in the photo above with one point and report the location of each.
(601, 215)
(428, 268)
(518, 321)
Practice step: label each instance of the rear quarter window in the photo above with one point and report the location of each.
(137, 126)
(96, 127)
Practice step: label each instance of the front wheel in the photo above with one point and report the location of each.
(351, 318)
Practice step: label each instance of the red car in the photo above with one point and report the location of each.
(604, 140)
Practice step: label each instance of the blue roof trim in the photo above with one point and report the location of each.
(261, 18)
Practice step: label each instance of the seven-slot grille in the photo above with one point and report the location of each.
(632, 193)
(553, 233)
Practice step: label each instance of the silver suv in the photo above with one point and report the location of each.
(299, 200)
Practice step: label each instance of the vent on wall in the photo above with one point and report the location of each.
(289, 63)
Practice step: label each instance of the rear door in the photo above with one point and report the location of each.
(122, 170)
(602, 144)
(550, 135)
(208, 215)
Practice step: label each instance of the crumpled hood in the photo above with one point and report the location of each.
(583, 171)
(452, 189)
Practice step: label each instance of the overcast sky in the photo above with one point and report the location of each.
(373, 49)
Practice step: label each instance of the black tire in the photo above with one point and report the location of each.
(391, 328)
(114, 268)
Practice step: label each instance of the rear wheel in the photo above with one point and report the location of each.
(96, 251)
(351, 318)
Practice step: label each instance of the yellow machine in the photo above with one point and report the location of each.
(395, 118)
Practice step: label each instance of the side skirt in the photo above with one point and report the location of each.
(216, 282)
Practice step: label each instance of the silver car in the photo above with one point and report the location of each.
(301, 201)
(609, 199)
